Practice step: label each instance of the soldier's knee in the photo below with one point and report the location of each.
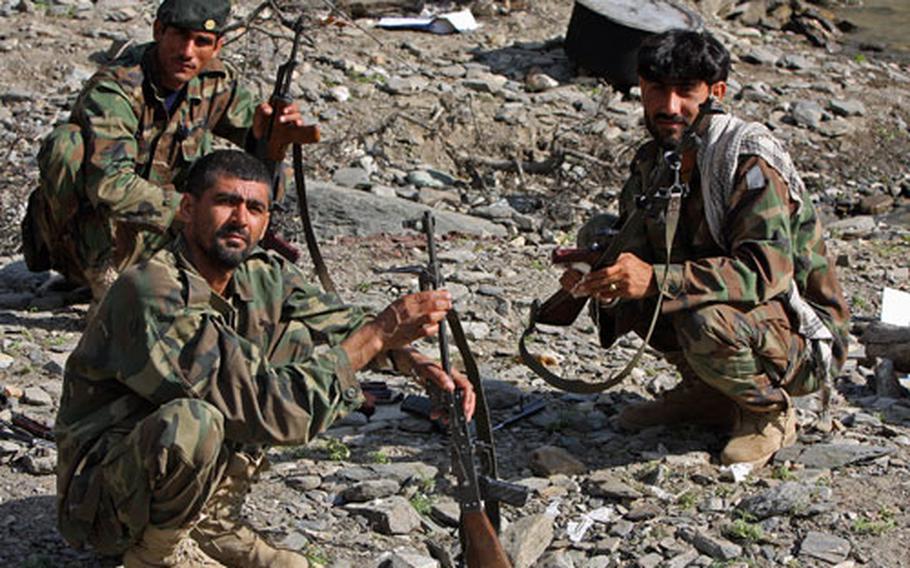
(191, 428)
(713, 329)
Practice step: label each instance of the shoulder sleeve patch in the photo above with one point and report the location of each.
(755, 178)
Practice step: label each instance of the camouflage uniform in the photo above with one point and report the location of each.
(173, 385)
(107, 186)
(724, 318)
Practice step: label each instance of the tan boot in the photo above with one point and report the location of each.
(759, 435)
(692, 401)
(222, 536)
(158, 548)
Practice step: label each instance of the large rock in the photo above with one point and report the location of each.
(341, 211)
(550, 460)
(527, 539)
(393, 515)
(603, 484)
(369, 490)
(830, 456)
(825, 547)
(784, 499)
(715, 547)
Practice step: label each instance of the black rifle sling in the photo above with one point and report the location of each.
(673, 196)
(674, 205)
(484, 428)
(303, 207)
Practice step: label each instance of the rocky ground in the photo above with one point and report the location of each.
(498, 134)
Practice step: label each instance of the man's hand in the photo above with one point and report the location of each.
(570, 279)
(408, 318)
(629, 278)
(428, 371)
(288, 129)
(412, 317)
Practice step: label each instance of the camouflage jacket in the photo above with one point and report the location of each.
(771, 243)
(266, 354)
(136, 150)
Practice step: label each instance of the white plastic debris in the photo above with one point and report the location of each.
(895, 307)
(739, 472)
(577, 529)
(449, 23)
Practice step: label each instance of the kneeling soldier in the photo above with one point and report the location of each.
(200, 358)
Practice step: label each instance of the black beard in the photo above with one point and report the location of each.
(665, 142)
(229, 257)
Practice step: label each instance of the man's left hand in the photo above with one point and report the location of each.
(288, 129)
(428, 371)
(629, 278)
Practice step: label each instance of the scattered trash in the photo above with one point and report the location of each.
(738, 472)
(449, 23)
(895, 307)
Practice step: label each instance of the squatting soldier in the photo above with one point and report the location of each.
(107, 195)
(753, 313)
(197, 359)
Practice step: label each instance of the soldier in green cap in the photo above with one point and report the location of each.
(200, 358)
(106, 195)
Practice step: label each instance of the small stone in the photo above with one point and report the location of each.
(423, 178)
(876, 204)
(384, 191)
(6, 361)
(370, 490)
(539, 82)
(339, 93)
(526, 539)
(405, 85)
(683, 560)
(807, 113)
(846, 108)
(652, 560)
(304, 482)
(405, 559)
(446, 512)
(357, 178)
(622, 528)
(760, 56)
(36, 396)
(860, 226)
(40, 461)
(550, 460)
(643, 512)
(715, 547)
(602, 483)
(825, 547)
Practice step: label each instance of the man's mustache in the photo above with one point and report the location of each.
(232, 230)
(674, 118)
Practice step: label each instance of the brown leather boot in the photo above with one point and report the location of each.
(166, 548)
(691, 401)
(759, 435)
(222, 536)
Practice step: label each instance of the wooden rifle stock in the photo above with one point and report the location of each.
(482, 546)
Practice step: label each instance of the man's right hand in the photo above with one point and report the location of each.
(407, 319)
(412, 317)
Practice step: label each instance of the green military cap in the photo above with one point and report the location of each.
(202, 15)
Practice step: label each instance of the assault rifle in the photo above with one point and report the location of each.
(277, 140)
(473, 462)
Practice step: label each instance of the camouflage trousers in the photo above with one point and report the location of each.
(753, 356)
(162, 473)
(63, 230)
